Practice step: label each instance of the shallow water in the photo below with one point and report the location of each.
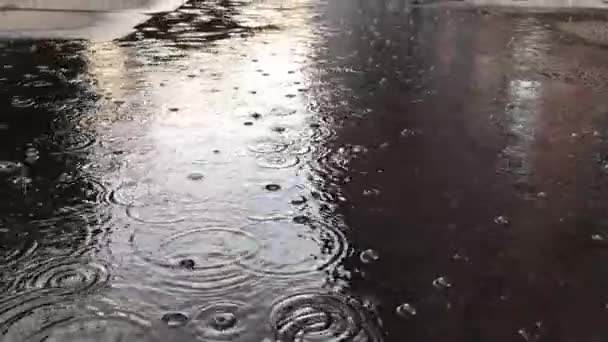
(307, 171)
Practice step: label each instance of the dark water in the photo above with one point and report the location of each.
(308, 171)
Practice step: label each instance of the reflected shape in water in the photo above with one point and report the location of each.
(322, 317)
(288, 248)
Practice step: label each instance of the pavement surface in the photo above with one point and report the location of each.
(307, 170)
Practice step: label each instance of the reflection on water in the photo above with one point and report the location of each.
(305, 171)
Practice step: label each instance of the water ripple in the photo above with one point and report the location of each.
(221, 321)
(322, 317)
(203, 261)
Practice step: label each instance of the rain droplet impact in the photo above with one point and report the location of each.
(299, 201)
(288, 248)
(225, 321)
(174, 319)
(195, 176)
(199, 262)
(501, 220)
(442, 283)
(322, 317)
(406, 310)
(369, 256)
(301, 219)
(7, 166)
(52, 320)
(268, 146)
(272, 187)
(71, 276)
(278, 161)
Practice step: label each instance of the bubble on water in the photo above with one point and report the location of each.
(322, 317)
(501, 220)
(248, 123)
(201, 261)
(406, 310)
(174, 319)
(279, 129)
(70, 275)
(272, 187)
(278, 161)
(222, 321)
(541, 194)
(369, 256)
(8, 166)
(442, 283)
(174, 109)
(597, 237)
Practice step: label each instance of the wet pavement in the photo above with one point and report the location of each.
(308, 171)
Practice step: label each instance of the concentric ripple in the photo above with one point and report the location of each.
(71, 276)
(222, 321)
(15, 247)
(149, 203)
(63, 321)
(322, 317)
(278, 161)
(289, 248)
(268, 146)
(74, 141)
(201, 260)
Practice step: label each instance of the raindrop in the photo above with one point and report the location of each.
(175, 319)
(196, 176)
(406, 310)
(501, 220)
(441, 283)
(256, 115)
(272, 187)
(369, 256)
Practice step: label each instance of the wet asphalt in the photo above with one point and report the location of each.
(308, 171)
